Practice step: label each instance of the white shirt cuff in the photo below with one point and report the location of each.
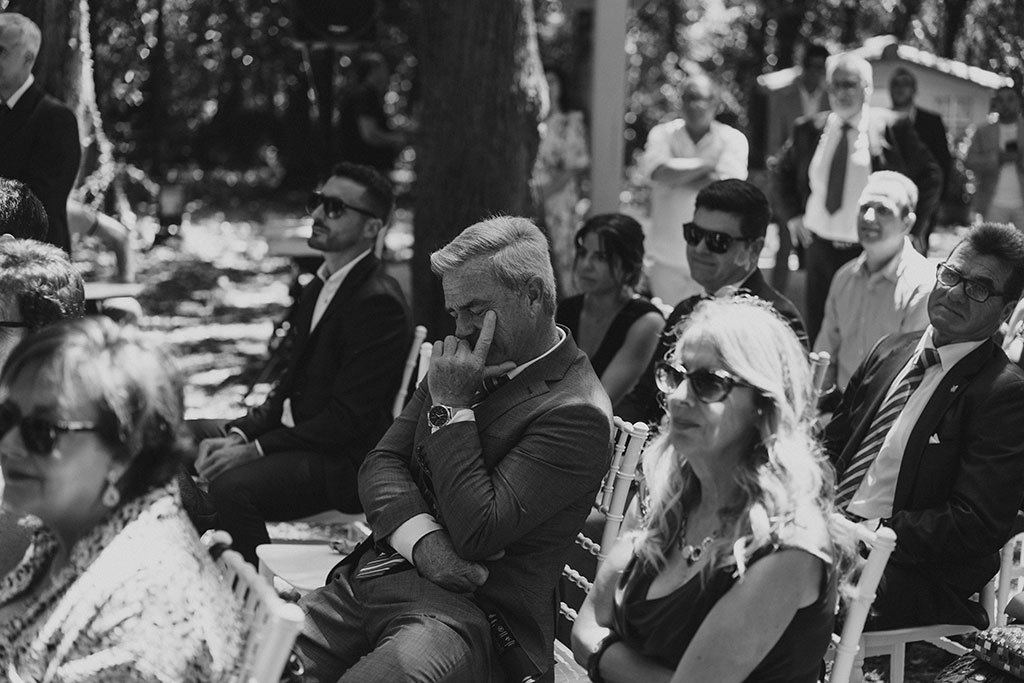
(239, 432)
(461, 415)
(405, 537)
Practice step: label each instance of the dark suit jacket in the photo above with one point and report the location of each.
(956, 494)
(39, 146)
(520, 479)
(341, 379)
(894, 147)
(785, 106)
(641, 403)
(929, 127)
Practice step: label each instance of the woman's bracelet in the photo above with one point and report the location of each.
(594, 660)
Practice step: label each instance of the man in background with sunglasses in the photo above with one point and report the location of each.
(824, 166)
(723, 244)
(929, 440)
(299, 452)
(885, 289)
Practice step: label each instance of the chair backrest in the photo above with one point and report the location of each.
(1010, 578)
(418, 335)
(882, 543)
(273, 624)
(629, 441)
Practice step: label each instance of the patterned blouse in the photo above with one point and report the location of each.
(139, 600)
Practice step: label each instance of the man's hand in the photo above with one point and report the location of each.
(457, 371)
(436, 560)
(800, 232)
(216, 458)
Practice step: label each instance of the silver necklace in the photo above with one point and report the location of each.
(693, 553)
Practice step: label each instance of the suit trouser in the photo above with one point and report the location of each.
(908, 596)
(277, 487)
(824, 258)
(399, 627)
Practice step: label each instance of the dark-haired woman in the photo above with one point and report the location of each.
(616, 327)
(115, 585)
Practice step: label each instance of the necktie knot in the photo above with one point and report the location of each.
(492, 384)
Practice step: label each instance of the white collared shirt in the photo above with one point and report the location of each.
(874, 498)
(332, 282)
(842, 225)
(13, 99)
(404, 538)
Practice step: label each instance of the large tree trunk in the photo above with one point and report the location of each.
(480, 76)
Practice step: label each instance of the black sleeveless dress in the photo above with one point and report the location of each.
(568, 314)
(662, 628)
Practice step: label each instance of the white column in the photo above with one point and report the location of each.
(608, 104)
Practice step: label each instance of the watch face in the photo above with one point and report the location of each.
(439, 415)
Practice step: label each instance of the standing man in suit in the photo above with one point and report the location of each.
(931, 130)
(682, 156)
(805, 96)
(825, 165)
(38, 134)
(995, 158)
(299, 452)
(723, 244)
(928, 439)
(476, 492)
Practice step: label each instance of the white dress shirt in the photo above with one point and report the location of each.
(13, 99)
(840, 226)
(874, 499)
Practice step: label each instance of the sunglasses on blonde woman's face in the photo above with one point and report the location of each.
(709, 386)
(39, 434)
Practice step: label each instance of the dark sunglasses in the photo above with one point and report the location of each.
(333, 207)
(39, 433)
(709, 386)
(975, 291)
(718, 242)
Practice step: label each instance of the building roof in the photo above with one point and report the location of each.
(888, 48)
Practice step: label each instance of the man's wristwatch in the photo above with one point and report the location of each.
(440, 415)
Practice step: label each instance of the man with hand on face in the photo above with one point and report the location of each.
(298, 453)
(885, 289)
(723, 244)
(478, 489)
(929, 440)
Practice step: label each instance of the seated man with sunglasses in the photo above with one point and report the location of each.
(929, 439)
(299, 452)
(723, 244)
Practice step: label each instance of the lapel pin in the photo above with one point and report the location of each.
(954, 388)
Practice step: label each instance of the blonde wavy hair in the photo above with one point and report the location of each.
(784, 478)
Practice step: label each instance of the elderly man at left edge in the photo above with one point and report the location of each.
(38, 134)
(477, 491)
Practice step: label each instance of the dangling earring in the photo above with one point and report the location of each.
(111, 495)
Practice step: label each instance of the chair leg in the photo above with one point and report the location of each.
(897, 662)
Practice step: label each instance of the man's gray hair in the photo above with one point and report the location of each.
(849, 61)
(28, 32)
(516, 248)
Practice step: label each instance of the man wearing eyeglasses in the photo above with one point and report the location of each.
(824, 166)
(929, 440)
(723, 245)
(299, 452)
(885, 289)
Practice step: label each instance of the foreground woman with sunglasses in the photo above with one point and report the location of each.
(116, 585)
(726, 569)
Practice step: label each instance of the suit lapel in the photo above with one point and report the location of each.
(949, 389)
(531, 383)
(20, 115)
(352, 282)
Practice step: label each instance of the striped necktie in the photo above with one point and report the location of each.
(880, 426)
